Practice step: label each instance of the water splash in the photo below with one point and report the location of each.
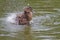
(36, 22)
(11, 18)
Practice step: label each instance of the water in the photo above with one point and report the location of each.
(46, 20)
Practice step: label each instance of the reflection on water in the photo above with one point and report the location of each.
(46, 20)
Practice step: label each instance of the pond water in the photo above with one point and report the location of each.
(46, 20)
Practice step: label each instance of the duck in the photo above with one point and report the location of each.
(25, 17)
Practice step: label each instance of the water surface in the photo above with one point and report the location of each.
(46, 20)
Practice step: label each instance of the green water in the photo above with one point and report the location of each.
(46, 20)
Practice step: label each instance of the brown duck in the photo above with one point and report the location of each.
(26, 17)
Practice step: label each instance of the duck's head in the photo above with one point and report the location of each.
(28, 9)
(28, 12)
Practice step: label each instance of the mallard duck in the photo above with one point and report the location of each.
(25, 17)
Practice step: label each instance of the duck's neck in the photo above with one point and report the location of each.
(28, 15)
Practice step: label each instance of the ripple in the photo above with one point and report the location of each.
(56, 33)
(37, 23)
(46, 37)
(56, 23)
(10, 35)
(44, 12)
(56, 9)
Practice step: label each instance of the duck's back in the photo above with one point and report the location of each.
(22, 19)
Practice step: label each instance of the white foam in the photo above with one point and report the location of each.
(11, 18)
